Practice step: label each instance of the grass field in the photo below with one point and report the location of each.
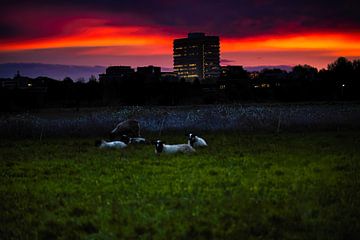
(244, 186)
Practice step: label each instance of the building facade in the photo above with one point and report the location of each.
(117, 73)
(148, 74)
(197, 57)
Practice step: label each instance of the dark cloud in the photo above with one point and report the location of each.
(231, 18)
(8, 31)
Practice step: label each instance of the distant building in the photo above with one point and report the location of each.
(8, 83)
(23, 83)
(269, 78)
(254, 75)
(117, 73)
(169, 77)
(197, 57)
(148, 70)
(233, 72)
(114, 81)
(148, 74)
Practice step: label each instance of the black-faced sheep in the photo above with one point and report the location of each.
(196, 141)
(161, 147)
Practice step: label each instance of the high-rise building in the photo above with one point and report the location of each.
(197, 56)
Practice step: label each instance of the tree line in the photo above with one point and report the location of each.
(340, 81)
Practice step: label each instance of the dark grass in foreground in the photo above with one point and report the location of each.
(263, 186)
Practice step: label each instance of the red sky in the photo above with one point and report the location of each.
(93, 33)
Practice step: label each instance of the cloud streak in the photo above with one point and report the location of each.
(226, 18)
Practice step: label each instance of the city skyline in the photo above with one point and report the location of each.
(139, 33)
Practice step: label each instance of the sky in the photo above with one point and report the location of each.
(139, 33)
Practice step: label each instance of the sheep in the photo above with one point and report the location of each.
(196, 141)
(161, 147)
(129, 127)
(113, 144)
(133, 140)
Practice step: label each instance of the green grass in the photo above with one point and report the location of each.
(244, 186)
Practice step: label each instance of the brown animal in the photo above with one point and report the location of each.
(129, 127)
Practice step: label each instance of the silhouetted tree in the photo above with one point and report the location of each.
(341, 66)
(92, 78)
(341, 76)
(302, 83)
(304, 72)
(356, 66)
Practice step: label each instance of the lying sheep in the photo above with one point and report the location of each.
(133, 140)
(161, 147)
(196, 141)
(113, 144)
(130, 128)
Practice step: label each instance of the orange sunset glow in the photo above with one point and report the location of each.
(338, 44)
(104, 40)
(93, 37)
(122, 34)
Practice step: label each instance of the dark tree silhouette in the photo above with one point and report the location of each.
(304, 72)
(341, 77)
(122, 85)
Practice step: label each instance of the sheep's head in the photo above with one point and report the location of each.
(159, 146)
(192, 138)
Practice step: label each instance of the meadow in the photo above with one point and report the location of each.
(301, 185)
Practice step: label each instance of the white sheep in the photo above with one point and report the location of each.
(138, 140)
(196, 141)
(133, 140)
(112, 144)
(161, 147)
